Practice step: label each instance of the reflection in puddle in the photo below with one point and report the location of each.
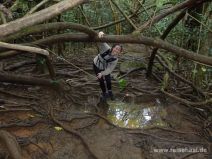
(136, 116)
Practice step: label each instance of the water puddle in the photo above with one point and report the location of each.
(132, 115)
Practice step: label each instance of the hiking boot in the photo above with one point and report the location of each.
(110, 95)
(103, 97)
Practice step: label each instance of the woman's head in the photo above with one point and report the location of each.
(116, 49)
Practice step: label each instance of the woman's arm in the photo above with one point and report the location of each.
(102, 46)
(111, 66)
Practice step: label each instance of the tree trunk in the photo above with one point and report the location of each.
(125, 39)
(49, 27)
(24, 48)
(38, 17)
(130, 39)
(165, 34)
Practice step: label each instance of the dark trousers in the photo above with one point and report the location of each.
(106, 78)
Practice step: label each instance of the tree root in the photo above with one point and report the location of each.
(88, 125)
(186, 101)
(188, 155)
(145, 91)
(11, 144)
(19, 96)
(147, 134)
(22, 124)
(170, 130)
(168, 140)
(14, 110)
(179, 77)
(105, 119)
(40, 148)
(18, 79)
(74, 133)
(18, 65)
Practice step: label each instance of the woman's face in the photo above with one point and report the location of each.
(116, 50)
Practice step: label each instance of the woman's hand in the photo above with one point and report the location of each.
(101, 34)
(99, 75)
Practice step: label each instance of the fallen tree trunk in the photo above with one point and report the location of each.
(49, 27)
(38, 17)
(65, 25)
(129, 39)
(124, 39)
(24, 48)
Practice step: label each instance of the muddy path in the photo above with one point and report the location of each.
(72, 123)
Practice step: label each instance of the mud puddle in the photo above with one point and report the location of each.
(131, 115)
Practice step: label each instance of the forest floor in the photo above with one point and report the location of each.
(72, 123)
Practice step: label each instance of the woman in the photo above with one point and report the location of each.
(104, 63)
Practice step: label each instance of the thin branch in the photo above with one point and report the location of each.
(37, 6)
(180, 77)
(121, 20)
(86, 19)
(199, 22)
(149, 16)
(177, 7)
(6, 11)
(3, 18)
(126, 17)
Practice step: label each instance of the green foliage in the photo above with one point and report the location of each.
(122, 84)
(20, 8)
(40, 60)
(159, 3)
(165, 81)
(55, 82)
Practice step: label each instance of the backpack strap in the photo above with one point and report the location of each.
(111, 59)
(107, 53)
